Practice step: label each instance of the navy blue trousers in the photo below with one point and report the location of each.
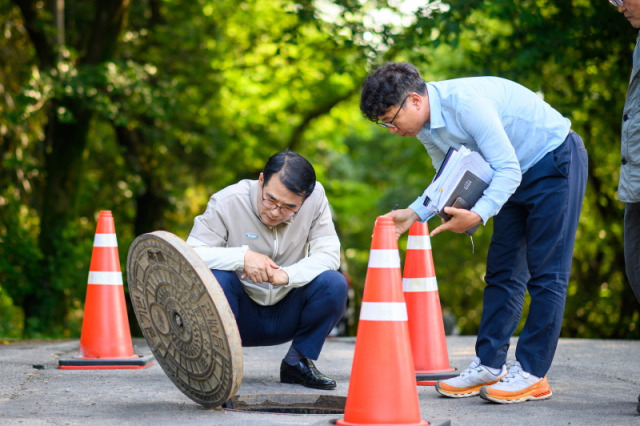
(305, 316)
(531, 249)
(632, 245)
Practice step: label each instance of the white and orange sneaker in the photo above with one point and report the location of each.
(516, 386)
(469, 382)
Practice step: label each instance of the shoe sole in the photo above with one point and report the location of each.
(458, 395)
(474, 391)
(294, 382)
(512, 400)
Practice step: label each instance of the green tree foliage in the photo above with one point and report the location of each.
(147, 108)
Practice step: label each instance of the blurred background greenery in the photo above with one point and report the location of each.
(146, 108)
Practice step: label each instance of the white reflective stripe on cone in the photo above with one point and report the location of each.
(105, 278)
(105, 240)
(419, 284)
(384, 258)
(383, 311)
(418, 242)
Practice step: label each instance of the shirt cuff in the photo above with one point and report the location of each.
(483, 209)
(418, 207)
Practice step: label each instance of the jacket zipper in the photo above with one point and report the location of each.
(273, 256)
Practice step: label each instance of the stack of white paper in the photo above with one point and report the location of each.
(456, 177)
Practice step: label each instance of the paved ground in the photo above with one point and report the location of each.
(595, 382)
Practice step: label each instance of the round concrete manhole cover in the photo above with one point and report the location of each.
(287, 403)
(185, 318)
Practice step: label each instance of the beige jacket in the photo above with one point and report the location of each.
(304, 246)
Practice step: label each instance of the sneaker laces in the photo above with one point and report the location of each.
(514, 369)
(474, 366)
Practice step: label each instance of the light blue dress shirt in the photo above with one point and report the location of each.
(508, 124)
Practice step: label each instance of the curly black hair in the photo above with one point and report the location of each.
(388, 85)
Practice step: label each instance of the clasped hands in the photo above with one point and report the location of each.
(260, 268)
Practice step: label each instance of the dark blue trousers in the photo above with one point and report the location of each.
(531, 249)
(306, 315)
(632, 246)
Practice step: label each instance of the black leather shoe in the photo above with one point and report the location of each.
(638, 408)
(306, 374)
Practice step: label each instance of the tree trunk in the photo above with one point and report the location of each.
(46, 306)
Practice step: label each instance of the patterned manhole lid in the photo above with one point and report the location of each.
(185, 318)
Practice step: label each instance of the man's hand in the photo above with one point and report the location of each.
(461, 220)
(402, 219)
(279, 277)
(260, 268)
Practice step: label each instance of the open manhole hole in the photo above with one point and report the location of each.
(287, 404)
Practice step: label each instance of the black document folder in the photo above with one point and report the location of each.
(465, 195)
(459, 182)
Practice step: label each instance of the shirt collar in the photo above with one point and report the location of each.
(436, 120)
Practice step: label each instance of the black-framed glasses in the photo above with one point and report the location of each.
(272, 205)
(390, 125)
(617, 3)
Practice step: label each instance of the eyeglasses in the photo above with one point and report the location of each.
(390, 125)
(617, 3)
(271, 205)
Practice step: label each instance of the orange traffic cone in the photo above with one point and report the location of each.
(382, 388)
(426, 328)
(105, 342)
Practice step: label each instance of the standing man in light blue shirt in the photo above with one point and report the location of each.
(535, 197)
